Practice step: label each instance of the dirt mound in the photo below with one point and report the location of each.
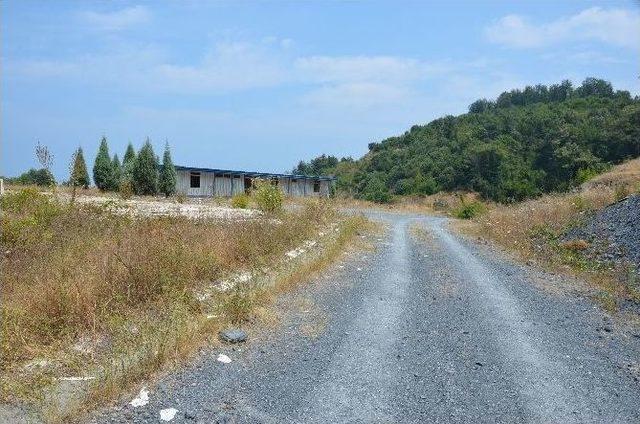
(613, 233)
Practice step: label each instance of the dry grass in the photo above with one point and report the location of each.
(127, 288)
(532, 229)
(442, 203)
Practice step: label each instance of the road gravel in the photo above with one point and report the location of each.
(429, 327)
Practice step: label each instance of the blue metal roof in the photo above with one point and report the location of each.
(255, 174)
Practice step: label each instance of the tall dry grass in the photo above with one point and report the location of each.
(71, 271)
(533, 229)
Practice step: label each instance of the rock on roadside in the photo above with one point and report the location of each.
(234, 335)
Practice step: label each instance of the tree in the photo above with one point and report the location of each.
(102, 167)
(128, 162)
(79, 177)
(145, 171)
(129, 155)
(595, 87)
(116, 173)
(45, 176)
(168, 175)
(42, 177)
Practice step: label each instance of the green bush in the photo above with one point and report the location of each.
(41, 177)
(375, 190)
(268, 197)
(468, 210)
(27, 215)
(240, 201)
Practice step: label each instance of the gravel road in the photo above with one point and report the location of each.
(427, 328)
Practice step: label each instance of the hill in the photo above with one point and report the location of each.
(524, 143)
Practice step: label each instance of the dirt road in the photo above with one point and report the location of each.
(428, 328)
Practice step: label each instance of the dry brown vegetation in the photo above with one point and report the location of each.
(88, 291)
(442, 203)
(533, 229)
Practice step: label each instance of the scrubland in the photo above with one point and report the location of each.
(108, 298)
(534, 231)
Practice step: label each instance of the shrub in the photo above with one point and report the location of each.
(125, 189)
(268, 197)
(468, 210)
(375, 190)
(40, 177)
(27, 214)
(240, 201)
(181, 197)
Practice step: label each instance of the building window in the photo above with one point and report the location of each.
(316, 187)
(195, 180)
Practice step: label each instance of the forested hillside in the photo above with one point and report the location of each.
(526, 142)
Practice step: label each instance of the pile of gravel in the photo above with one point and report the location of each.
(614, 232)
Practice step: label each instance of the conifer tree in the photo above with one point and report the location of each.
(145, 171)
(79, 175)
(128, 162)
(116, 173)
(102, 168)
(168, 175)
(129, 155)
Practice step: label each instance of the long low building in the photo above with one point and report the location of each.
(209, 182)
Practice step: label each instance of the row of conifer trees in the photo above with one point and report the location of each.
(138, 173)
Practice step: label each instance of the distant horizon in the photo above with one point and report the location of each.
(261, 86)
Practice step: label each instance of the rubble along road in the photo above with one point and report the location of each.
(427, 328)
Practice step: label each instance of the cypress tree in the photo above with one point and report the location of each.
(116, 173)
(129, 155)
(102, 169)
(168, 175)
(145, 171)
(127, 164)
(79, 175)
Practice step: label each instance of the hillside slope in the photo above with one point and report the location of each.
(592, 232)
(525, 143)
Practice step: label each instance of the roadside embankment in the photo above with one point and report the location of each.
(94, 301)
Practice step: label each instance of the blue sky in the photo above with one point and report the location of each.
(261, 84)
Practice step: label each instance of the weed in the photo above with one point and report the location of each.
(621, 191)
(268, 197)
(469, 210)
(74, 270)
(575, 245)
(239, 304)
(534, 229)
(125, 189)
(240, 201)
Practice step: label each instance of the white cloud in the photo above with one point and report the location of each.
(358, 95)
(620, 27)
(118, 20)
(229, 66)
(363, 81)
(358, 68)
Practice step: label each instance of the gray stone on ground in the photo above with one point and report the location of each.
(234, 335)
(613, 232)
